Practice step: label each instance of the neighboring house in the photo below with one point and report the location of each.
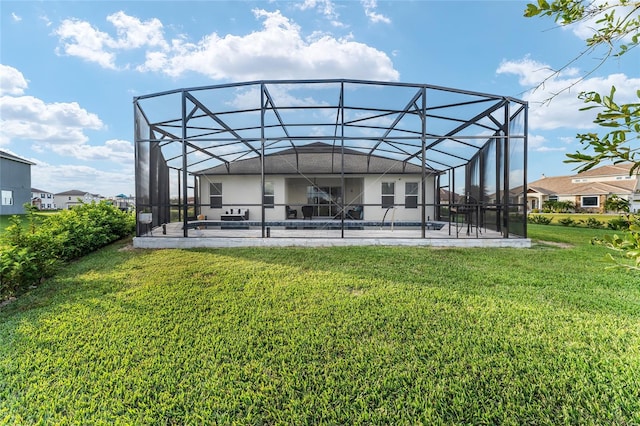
(310, 175)
(124, 202)
(66, 200)
(43, 200)
(588, 190)
(15, 183)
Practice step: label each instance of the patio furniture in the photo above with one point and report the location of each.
(467, 213)
(291, 213)
(307, 212)
(355, 213)
(235, 215)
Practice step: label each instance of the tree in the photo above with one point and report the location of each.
(616, 204)
(616, 27)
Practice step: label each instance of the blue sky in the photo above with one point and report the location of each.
(69, 69)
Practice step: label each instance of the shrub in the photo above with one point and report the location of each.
(593, 223)
(31, 254)
(539, 219)
(620, 223)
(567, 221)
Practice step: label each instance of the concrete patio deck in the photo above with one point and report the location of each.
(280, 236)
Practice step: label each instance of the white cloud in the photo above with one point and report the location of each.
(277, 50)
(133, 33)
(115, 150)
(586, 28)
(12, 82)
(563, 111)
(64, 177)
(81, 39)
(370, 7)
(325, 7)
(29, 118)
(15, 17)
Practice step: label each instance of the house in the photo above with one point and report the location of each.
(66, 200)
(43, 200)
(286, 155)
(15, 183)
(124, 202)
(310, 176)
(588, 190)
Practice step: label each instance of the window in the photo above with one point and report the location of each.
(388, 194)
(590, 201)
(7, 198)
(411, 195)
(553, 198)
(268, 195)
(215, 194)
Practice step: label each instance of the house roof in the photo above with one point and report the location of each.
(566, 185)
(621, 169)
(40, 190)
(4, 154)
(78, 193)
(317, 158)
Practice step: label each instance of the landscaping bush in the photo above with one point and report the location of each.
(31, 254)
(539, 219)
(567, 221)
(593, 223)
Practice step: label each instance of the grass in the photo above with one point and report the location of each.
(5, 219)
(368, 335)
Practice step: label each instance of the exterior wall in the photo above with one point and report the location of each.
(15, 177)
(244, 192)
(65, 201)
(43, 200)
(373, 195)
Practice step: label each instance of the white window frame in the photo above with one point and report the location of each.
(597, 204)
(388, 190)
(411, 198)
(269, 195)
(217, 196)
(7, 197)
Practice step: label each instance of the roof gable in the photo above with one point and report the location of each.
(6, 155)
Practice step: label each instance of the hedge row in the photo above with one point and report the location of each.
(619, 223)
(29, 254)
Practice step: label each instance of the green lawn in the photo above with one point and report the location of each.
(370, 335)
(5, 219)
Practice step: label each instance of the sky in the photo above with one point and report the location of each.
(69, 70)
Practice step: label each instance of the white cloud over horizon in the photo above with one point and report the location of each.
(551, 104)
(59, 128)
(278, 50)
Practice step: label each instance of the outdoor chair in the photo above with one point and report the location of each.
(355, 213)
(307, 212)
(291, 213)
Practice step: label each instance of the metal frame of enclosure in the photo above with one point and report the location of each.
(472, 147)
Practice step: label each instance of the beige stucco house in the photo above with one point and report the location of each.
(588, 190)
(310, 175)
